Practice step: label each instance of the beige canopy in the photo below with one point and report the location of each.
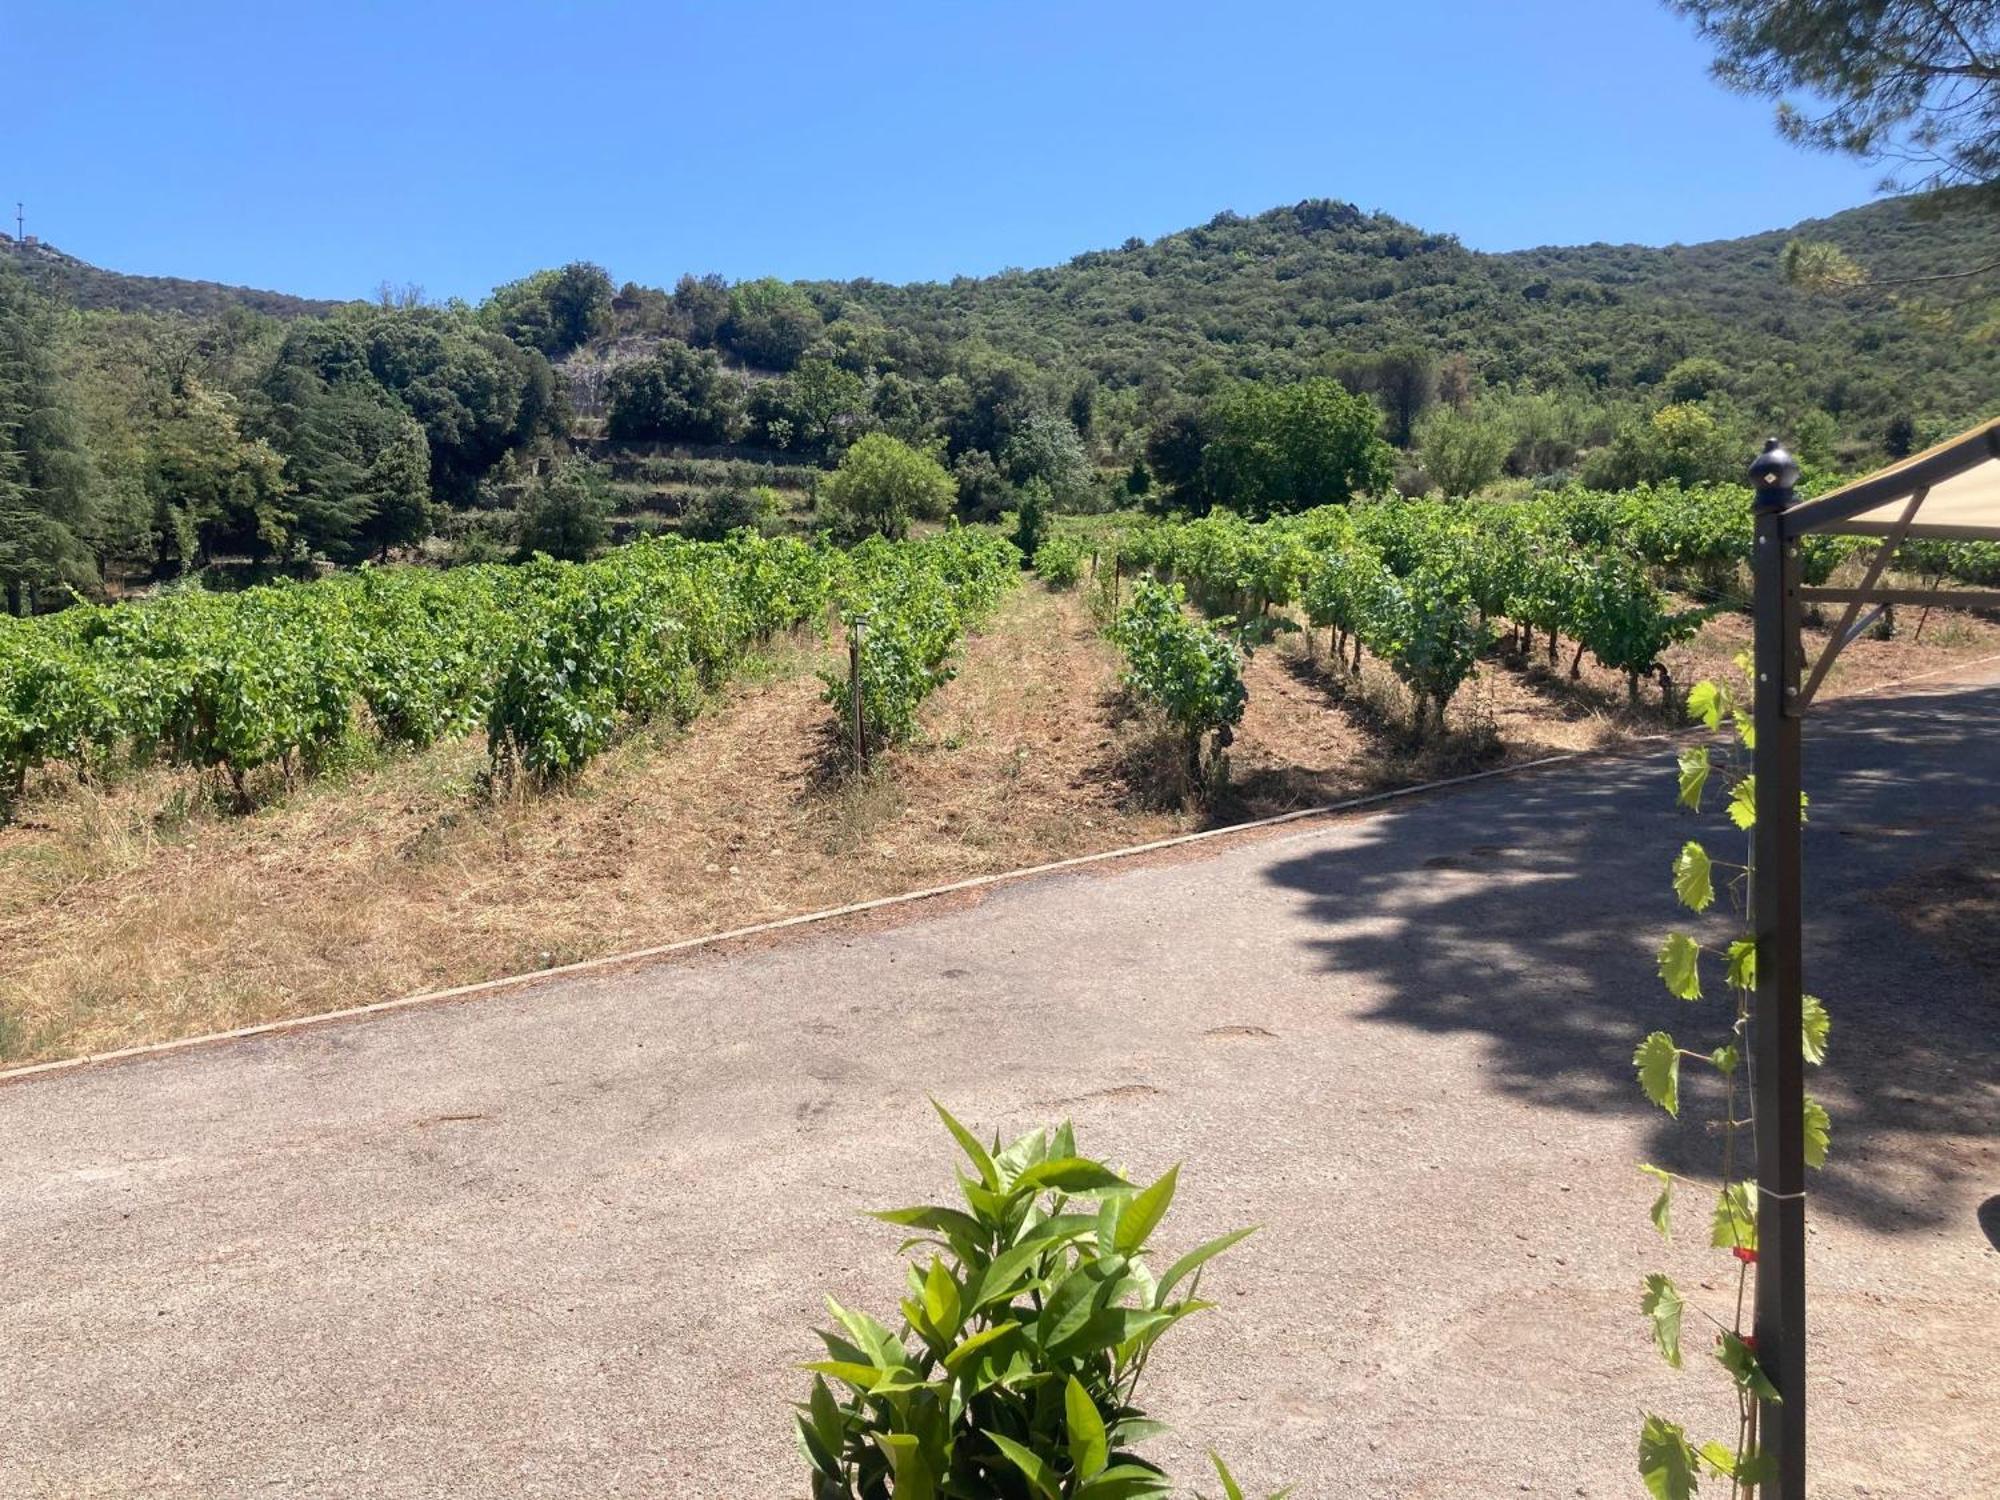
(1951, 491)
(1959, 486)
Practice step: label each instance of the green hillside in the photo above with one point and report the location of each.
(1296, 290)
(154, 427)
(80, 284)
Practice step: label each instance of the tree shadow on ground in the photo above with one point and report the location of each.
(1391, 757)
(1533, 914)
(1588, 694)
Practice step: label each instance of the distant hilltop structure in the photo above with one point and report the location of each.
(20, 235)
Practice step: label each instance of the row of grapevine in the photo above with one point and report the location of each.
(1421, 584)
(905, 606)
(1694, 539)
(1189, 671)
(551, 658)
(650, 629)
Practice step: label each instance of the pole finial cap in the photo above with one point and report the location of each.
(1773, 474)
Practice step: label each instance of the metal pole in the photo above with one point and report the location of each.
(860, 728)
(1777, 914)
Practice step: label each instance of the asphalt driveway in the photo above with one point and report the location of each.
(570, 1241)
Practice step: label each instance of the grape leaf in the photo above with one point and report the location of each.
(1817, 1024)
(1659, 1063)
(1819, 1132)
(1743, 964)
(1708, 701)
(1693, 881)
(1743, 803)
(1737, 1359)
(1662, 1205)
(1663, 1304)
(1720, 1458)
(1666, 1461)
(1756, 1468)
(1725, 1059)
(1694, 774)
(1680, 966)
(1735, 1223)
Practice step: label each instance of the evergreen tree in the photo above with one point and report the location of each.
(47, 515)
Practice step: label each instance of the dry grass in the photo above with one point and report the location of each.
(143, 910)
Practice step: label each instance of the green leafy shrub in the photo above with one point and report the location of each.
(1059, 562)
(566, 516)
(1013, 1372)
(881, 486)
(713, 514)
(1032, 516)
(1190, 671)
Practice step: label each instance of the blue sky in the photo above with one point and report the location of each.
(323, 148)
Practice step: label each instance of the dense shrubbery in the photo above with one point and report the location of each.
(1030, 1319)
(679, 395)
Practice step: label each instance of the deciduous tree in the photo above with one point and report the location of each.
(883, 485)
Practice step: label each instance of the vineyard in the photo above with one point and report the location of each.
(552, 659)
(476, 771)
(1429, 587)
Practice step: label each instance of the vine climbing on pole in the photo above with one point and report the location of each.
(1670, 1461)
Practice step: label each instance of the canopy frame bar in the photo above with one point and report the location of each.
(1846, 631)
(1777, 914)
(1915, 475)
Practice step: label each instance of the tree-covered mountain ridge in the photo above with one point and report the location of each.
(66, 278)
(1288, 292)
(152, 427)
(1292, 291)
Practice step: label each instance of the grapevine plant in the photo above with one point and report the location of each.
(1058, 562)
(1032, 1314)
(905, 606)
(1670, 1462)
(1188, 670)
(553, 659)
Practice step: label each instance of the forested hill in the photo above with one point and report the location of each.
(1294, 291)
(1303, 290)
(64, 278)
(151, 427)
(1290, 292)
